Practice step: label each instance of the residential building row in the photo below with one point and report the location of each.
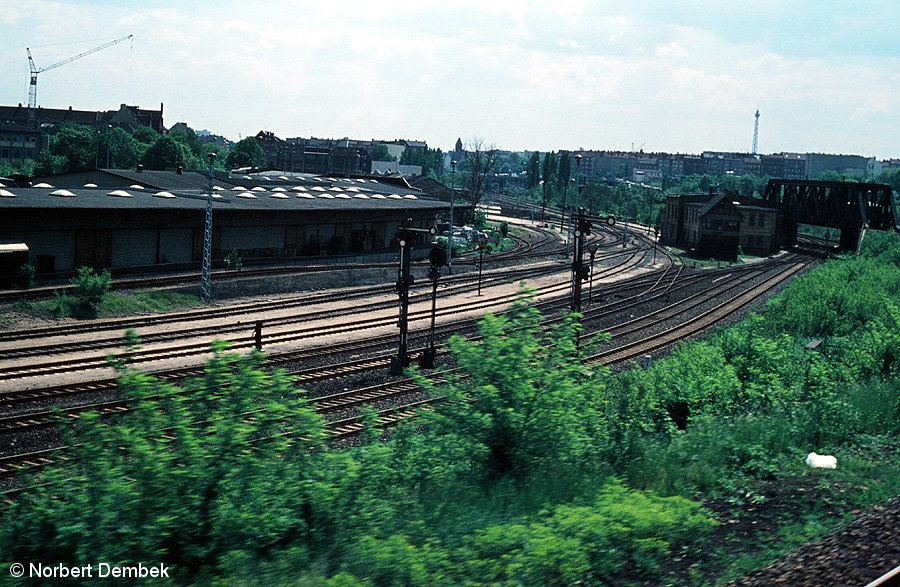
(23, 136)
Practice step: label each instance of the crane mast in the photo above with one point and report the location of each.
(32, 87)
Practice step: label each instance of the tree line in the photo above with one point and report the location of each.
(77, 147)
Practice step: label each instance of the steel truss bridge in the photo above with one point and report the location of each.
(851, 207)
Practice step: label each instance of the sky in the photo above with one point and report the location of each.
(666, 76)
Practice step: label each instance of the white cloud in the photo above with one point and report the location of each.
(524, 74)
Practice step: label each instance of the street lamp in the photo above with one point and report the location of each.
(207, 236)
(482, 242)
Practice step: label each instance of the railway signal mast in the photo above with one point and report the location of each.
(32, 87)
(405, 236)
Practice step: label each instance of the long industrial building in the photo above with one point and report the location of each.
(139, 219)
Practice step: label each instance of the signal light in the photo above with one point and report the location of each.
(584, 226)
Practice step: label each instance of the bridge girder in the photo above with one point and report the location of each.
(844, 205)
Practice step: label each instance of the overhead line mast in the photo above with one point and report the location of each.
(32, 88)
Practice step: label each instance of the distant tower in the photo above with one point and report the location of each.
(756, 133)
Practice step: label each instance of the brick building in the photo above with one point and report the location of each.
(719, 226)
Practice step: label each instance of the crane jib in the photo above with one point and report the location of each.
(32, 86)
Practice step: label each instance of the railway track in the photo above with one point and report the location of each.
(32, 420)
(15, 463)
(652, 282)
(28, 368)
(634, 289)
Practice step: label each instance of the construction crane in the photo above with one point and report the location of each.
(32, 88)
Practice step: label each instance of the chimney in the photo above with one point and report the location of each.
(179, 170)
(140, 168)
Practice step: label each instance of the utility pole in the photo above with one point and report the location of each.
(205, 284)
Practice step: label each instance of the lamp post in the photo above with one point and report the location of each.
(207, 237)
(482, 242)
(450, 226)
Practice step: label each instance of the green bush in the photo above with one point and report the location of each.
(233, 260)
(526, 406)
(183, 479)
(26, 272)
(621, 530)
(90, 289)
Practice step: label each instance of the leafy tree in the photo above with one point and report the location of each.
(431, 160)
(245, 153)
(379, 152)
(564, 170)
(124, 150)
(892, 178)
(48, 164)
(534, 171)
(145, 135)
(78, 144)
(165, 153)
(190, 140)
